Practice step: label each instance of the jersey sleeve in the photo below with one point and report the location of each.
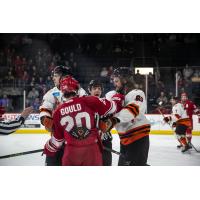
(135, 105)
(101, 105)
(48, 105)
(57, 139)
(176, 112)
(7, 128)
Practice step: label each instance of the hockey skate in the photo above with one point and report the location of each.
(185, 148)
(179, 146)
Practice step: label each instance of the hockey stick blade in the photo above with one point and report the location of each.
(194, 148)
(21, 153)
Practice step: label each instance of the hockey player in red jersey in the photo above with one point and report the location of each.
(74, 124)
(191, 109)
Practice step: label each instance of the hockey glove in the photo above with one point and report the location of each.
(107, 125)
(119, 100)
(167, 119)
(47, 122)
(174, 125)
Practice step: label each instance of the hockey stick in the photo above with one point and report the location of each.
(21, 153)
(172, 129)
(113, 151)
(194, 147)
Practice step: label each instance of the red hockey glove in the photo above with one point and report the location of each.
(107, 124)
(49, 149)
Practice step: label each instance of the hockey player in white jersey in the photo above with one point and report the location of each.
(50, 101)
(180, 120)
(131, 124)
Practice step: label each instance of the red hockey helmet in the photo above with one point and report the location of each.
(2, 111)
(68, 84)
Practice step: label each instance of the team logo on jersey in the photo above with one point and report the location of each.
(79, 133)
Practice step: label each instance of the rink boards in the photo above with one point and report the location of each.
(33, 126)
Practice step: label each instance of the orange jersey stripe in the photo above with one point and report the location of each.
(133, 108)
(134, 134)
(185, 121)
(134, 138)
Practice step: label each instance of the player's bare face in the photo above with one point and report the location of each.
(56, 79)
(183, 98)
(173, 102)
(117, 83)
(96, 91)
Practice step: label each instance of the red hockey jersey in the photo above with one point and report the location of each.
(75, 121)
(190, 107)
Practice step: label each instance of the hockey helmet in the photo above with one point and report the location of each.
(95, 83)
(62, 71)
(69, 84)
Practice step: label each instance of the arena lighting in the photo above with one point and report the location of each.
(145, 71)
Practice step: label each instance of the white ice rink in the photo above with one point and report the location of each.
(163, 151)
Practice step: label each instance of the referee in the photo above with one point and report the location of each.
(9, 127)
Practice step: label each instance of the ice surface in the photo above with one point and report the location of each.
(163, 151)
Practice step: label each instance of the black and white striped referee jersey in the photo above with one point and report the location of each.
(7, 128)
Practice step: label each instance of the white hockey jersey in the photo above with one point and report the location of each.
(52, 99)
(133, 122)
(179, 115)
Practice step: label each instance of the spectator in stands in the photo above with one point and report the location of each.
(110, 70)
(196, 74)
(36, 104)
(160, 86)
(25, 78)
(6, 103)
(51, 67)
(187, 72)
(9, 79)
(17, 61)
(104, 72)
(138, 77)
(33, 94)
(48, 82)
(162, 98)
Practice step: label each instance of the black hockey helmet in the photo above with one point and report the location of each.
(62, 71)
(95, 83)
